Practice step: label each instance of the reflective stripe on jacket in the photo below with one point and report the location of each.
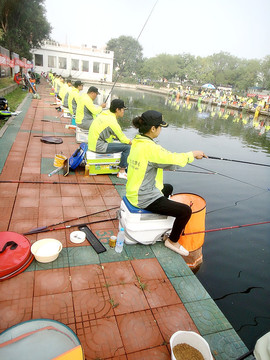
(103, 130)
(146, 162)
(86, 110)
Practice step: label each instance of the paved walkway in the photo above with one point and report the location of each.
(121, 306)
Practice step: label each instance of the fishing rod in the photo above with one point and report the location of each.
(239, 161)
(229, 177)
(55, 182)
(194, 172)
(37, 230)
(122, 69)
(70, 226)
(227, 228)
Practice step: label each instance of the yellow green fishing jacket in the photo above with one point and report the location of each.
(146, 162)
(72, 100)
(86, 110)
(103, 130)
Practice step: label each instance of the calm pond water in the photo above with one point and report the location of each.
(236, 266)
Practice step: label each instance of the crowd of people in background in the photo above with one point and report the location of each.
(221, 97)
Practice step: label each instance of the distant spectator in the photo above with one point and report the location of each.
(19, 80)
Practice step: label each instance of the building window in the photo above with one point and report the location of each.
(75, 64)
(62, 63)
(106, 69)
(51, 61)
(96, 67)
(38, 60)
(85, 65)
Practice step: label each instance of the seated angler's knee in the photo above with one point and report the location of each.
(188, 211)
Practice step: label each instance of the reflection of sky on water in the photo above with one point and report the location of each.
(234, 260)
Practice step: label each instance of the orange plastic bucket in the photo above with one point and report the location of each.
(196, 221)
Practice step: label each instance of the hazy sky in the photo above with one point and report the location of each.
(198, 27)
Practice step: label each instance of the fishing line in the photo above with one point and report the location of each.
(236, 203)
(227, 228)
(193, 172)
(229, 177)
(121, 71)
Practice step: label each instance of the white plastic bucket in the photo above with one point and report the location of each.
(193, 339)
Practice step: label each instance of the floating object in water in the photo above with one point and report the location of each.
(203, 115)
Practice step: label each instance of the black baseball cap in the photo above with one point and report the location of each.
(78, 83)
(153, 118)
(117, 104)
(93, 89)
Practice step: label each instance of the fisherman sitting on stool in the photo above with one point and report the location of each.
(145, 188)
(86, 110)
(104, 129)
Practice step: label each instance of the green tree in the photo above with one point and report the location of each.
(265, 68)
(23, 25)
(223, 65)
(186, 66)
(160, 67)
(128, 55)
(246, 75)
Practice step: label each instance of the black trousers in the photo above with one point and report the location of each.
(164, 206)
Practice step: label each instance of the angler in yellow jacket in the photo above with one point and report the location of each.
(64, 91)
(73, 96)
(145, 188)
(105, 129)
(86, 109)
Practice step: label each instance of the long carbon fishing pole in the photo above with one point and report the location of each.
(239, 161)
(55, 182)
(122, 69)
(227, 228)
(37, 230)
(71, 226)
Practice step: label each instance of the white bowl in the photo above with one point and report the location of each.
(46, 250)
(193, 339)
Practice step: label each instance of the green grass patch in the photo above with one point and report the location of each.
(15, 98)
(5, 82)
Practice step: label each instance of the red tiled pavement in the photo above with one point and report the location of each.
(121, 310)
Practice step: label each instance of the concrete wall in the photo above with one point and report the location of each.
(8, 90)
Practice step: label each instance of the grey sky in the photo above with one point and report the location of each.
(198, 27)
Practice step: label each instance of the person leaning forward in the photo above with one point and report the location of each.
(86, 109)
(73, 96)
(145, 188)
(104, 129)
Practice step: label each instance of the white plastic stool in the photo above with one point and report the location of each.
(142, 226)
